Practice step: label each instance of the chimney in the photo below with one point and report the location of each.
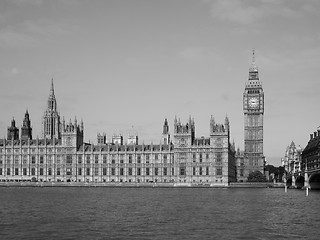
(311, 136)
(315, 134)
(318, 132)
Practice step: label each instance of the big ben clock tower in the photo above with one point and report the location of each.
(253, 107)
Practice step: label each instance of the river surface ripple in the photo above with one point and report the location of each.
(158, 213)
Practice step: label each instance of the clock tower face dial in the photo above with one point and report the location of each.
(253, 102)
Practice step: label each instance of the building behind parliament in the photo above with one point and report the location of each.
(61, 155)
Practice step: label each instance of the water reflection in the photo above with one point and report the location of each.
(155, 213)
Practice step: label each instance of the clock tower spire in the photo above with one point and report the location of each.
(253, 108)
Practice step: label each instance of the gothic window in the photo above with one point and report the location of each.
(156, 171)
(69, 159)
(69, 171)
(219, 171)
(165, 171)
(218, 157)
(165, 157)
(121, 171)
(147, 171)
(207, 171)
(79, 171)
(104, 171)
(130, 171)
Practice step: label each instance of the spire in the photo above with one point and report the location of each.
(226, 120)
(81, 125)
(165, 127)
(52, 104)
(253, 67)
(212, 124)
(26, 129)
(253, 57)
(52, 88)
(13, 122)
(253, 70)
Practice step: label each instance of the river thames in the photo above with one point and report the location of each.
(158, 213)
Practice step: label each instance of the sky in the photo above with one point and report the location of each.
(124, 66)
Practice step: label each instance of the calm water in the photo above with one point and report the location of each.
(155, 213)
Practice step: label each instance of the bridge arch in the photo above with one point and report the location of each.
(289, 182)
(300, 181)
(314, 181)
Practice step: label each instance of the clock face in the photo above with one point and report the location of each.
(253, 102)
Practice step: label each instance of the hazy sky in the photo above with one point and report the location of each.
(118, 64)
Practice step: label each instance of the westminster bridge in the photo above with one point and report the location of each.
(303, 179)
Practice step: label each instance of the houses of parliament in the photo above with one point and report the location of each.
(61, 155)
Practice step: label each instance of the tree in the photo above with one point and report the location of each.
(257, 176)
(270, 168)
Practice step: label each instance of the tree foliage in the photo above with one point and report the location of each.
(257, 176)
(277, 171)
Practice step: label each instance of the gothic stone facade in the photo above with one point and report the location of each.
(61, 155)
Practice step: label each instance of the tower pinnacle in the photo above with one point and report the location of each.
(253, 57)
(52, 88)
(253, 67)
(51, 119)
